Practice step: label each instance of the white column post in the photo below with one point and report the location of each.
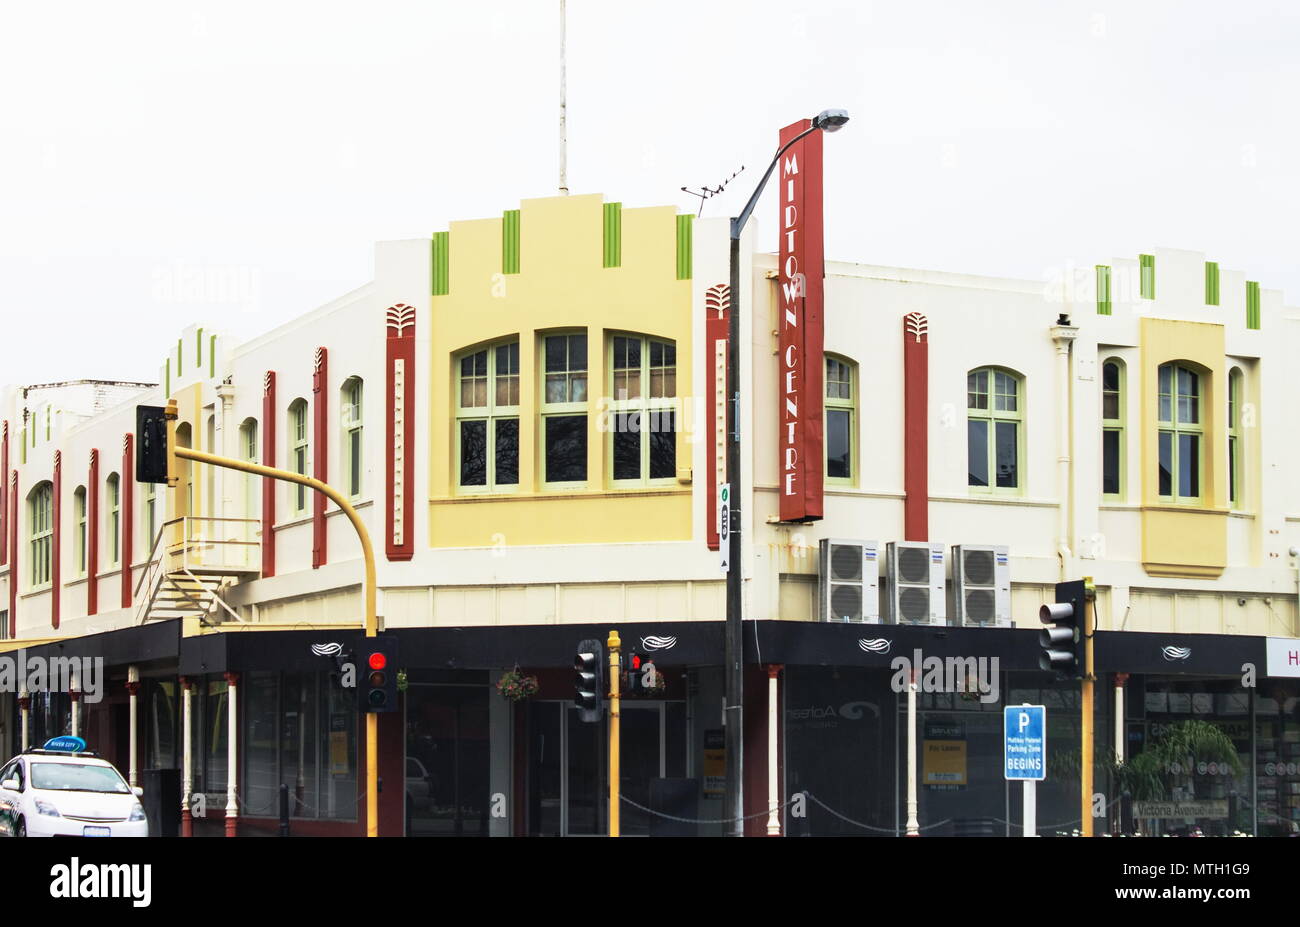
(226, 430)
(187, 757)
(74, 696)
(25, 713)
(1063, 334)
(913, 826)
(1031, 808)
(773, 752)
(133, 687)
(232, 754)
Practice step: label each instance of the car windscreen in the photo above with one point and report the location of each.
(73, 777)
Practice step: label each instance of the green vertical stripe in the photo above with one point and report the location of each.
(22, 441)
(180, 356)
(167, 379)
(212, 355)
(613, 234)
(1148, 282)
(198, 350)
(510, 242)
(1252, 304)
(684, 231)
(1103, 290)
(1211, 283)
(441, 263)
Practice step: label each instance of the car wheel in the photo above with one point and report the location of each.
(21, 829)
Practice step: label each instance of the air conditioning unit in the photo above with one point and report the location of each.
(914, 570)
(981, 575)
(848, 581)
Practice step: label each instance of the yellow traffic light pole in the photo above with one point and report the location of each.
(368, 587)
(1085, 707)
(614, 667)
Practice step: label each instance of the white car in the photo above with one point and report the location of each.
(50, 793)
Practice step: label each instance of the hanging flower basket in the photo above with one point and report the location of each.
(516, 685)
(402, 682)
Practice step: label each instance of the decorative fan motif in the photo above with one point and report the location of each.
(267, 381)
(320, 356)
(1176, 653)
(58, 458)
(400, 318)
(718, 299)
(917, 325)
(658, 643)
(327, 650)
(126, 443)
(875, 645)
(94, 456)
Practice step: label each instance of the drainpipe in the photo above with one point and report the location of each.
(133, 687)
(1063, 335)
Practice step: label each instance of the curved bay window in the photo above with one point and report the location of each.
(839, 420)
(1112, 429)
(993, 429)
(41, 533)
(487, 418)
(1181, 430)
(643, 424)
(564, 409)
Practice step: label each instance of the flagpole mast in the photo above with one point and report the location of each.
(564, 155)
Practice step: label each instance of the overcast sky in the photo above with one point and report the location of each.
(232, 163)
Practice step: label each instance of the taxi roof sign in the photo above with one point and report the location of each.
(65, 744)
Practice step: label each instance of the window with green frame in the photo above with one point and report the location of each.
(150, 503)
(352, 423)
(248, 451)
(1112, 429)
(564, 409)
(1180, 434)
(487, 418)
(840, 420)
(40, 523)
(1235, 443)
(79, 531)
(298, 454)
(993, 430)
(113, 486)
(642, 424)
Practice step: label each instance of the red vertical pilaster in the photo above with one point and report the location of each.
(56, 539)
(126, 502)
(268, 484)
(916, 436)
(717, 308)
(320, 453)
(13, 556)
(4, 493)
(399, 351)
(92, 535)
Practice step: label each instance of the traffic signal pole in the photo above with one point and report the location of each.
(614, 666)
(1085, 709)
(368, 586)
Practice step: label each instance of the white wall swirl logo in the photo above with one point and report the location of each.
(875, 645)
(658, 643)
(853, 710)
(1176, 653)
(327, 650)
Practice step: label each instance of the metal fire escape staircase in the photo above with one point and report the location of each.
(193, 563)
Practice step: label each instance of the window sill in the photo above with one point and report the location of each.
(1165, 506)
(32, 593)
(552, 494)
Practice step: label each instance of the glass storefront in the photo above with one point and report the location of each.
(447, 760)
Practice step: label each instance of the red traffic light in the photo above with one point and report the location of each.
(636, 661)
(378, 661)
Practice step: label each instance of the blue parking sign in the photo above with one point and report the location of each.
(1025, 737)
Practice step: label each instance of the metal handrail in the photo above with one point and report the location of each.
(154, 569)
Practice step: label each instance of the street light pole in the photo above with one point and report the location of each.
(733, 709)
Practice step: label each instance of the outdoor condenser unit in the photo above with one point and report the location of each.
(981, 575)
(848, 581)
(914, 570)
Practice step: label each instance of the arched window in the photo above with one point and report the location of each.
(185, 474)
(1235, 443)
(1181, 429)
(994, 410)
(352, 422)
(210, 473)
(1112, 429)
(487, 418)
(298, 454)
(248, 451)
(79, 531)
(841, 426)
(40, 521)
(113, 487)
(642, 425)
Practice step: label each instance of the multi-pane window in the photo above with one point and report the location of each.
(79, 532)
(1112, 428)
(1179, 439)
(352, 436)
(643, 422)
(150, 517)
(487, 418)
(1234, 438)
(114, 486)
(298, 454)
(40, 519)
(564, 408)
(839, 419)
(248, 450)
(993, 429)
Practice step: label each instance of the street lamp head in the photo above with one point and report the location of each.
(830, 120)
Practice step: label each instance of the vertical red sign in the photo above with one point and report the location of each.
(802, 332)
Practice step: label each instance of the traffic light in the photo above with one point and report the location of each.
(589, 679)
(377, 674)
(1063, 642)
(151, 458)
(634, 663)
